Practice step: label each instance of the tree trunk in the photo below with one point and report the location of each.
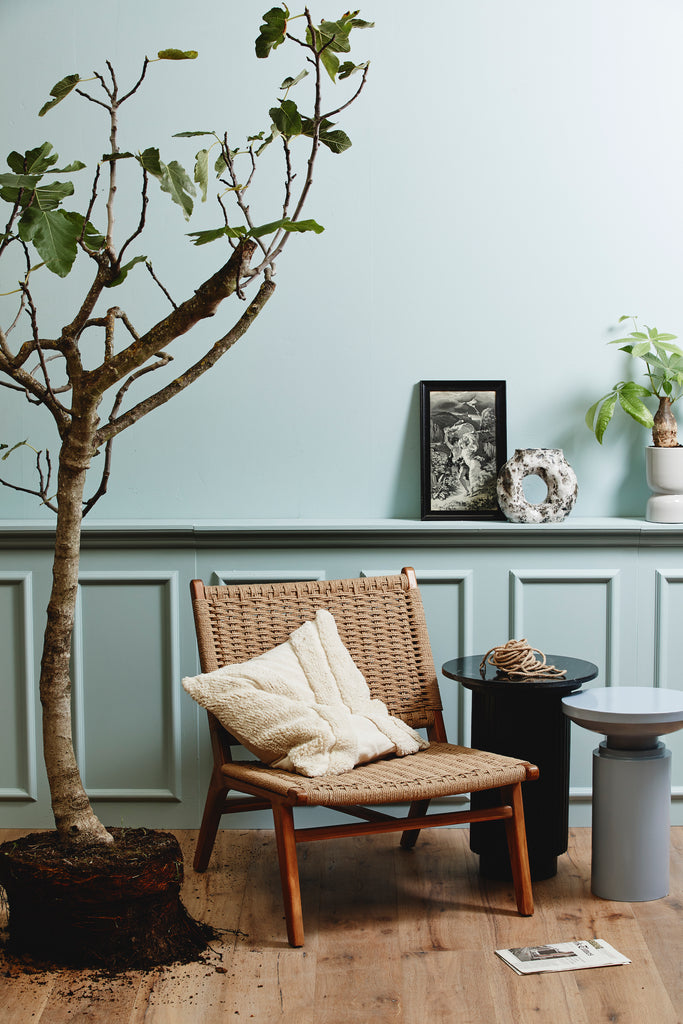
(665, 431)
(75, 820)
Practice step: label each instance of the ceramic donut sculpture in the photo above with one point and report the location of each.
(559, 477)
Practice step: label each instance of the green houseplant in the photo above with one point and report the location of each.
(664, 373)
(663, 367)
(90, 377)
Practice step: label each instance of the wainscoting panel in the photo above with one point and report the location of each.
(18, 769)
(668, 664)
(232, 577)
(575, 612)
(127, 720)
(448, 598)
(609, 591)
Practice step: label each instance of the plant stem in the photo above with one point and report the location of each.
(665, 431)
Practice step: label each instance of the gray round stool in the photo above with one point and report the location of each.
(631, 787)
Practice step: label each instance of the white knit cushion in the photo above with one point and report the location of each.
(304, 705)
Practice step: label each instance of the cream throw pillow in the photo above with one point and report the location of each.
(304, 706)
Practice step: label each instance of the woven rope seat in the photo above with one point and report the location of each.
(381, 623)
(441, 770)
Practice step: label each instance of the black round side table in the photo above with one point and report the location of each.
(523, 719)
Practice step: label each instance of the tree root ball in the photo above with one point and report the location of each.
(114, 906)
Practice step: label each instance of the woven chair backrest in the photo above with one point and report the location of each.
(380, 620)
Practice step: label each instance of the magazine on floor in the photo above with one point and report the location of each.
(562, 956)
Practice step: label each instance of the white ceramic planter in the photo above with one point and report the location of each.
(665, 480)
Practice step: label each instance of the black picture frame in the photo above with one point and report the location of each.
(463, 447)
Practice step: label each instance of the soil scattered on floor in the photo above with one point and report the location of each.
(115, 907)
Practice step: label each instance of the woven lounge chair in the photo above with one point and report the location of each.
(381, 622)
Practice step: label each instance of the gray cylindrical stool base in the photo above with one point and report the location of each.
(631, 823)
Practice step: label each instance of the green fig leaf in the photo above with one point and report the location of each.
(55, 234)
(177, 54)
(123, 272)
(59, 92)
(272, 31)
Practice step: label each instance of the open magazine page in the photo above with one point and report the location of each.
(562, 956)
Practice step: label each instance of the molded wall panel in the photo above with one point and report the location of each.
(260, 575)
(18, 770)
(448, 598)
(126, 701)
(574, 612)
(668, 666)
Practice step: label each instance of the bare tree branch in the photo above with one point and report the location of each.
(277, 246)
(232, 242)
(93, 197)
(289, 178)
(156, 280)
(72, 332)
(97, 256)
(4, 347)
(338, 110)
(108, 323)
(163, 359)
(109, 327)
(42, 492)
(143, 212)
(37, 348)
(104, 479)
(64, 387)
(113, 93)
(203, 304)
(137, 84)
(22, 305)
(11, 387)
(113, 149)
(7, 234)
(193, 373)
(123, 317)
(299, 42)
(36, 393)
(87, 96)
(227, 156)
(22, 301)
(315, 145)
(26, 351)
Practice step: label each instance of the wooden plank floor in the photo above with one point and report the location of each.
(390, 936)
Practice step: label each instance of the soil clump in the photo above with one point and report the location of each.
(116, 907)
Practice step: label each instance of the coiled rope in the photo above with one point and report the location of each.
(516, 660)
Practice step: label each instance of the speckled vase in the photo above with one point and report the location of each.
(558, 476)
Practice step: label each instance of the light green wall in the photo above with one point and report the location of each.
(514, 185)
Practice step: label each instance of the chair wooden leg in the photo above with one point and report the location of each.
(409, 837)
(519, 855)
(289, 872)
(215, 801)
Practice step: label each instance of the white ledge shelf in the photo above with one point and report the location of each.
(574, 531)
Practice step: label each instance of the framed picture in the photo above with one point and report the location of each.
(463, 435)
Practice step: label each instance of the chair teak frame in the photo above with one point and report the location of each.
(381, 622)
